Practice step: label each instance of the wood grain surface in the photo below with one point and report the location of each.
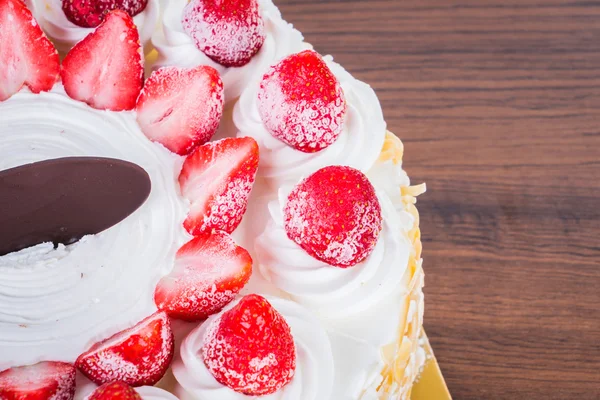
(498, 104)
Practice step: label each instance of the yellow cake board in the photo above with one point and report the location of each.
(430, 384)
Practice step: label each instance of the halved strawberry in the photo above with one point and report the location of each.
(334, 215)
(90, 13)
(41, 381)
(181, 107)
(137, 356)
(105, 69)
(26, 55)
(217, 179)
(301, 102)
(115, 391)
(209, 272)
(250, 348)
(229, 32)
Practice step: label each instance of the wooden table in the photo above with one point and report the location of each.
(498, 104)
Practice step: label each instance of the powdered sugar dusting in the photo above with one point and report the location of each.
(229, 32)
(209, 272)
(137, 356)
(334, 215)
(218, 178)
(181, 108)
(250, 348)
(229, 207)
(55, 379)
(302, 103)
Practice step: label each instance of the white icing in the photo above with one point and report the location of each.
(154, 393)
(358, 146)
(362, 306)
(65, 34)
(54, 304)
(314, 362)
(176, 47)
(330, 291)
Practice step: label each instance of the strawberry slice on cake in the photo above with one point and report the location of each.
(115, 391)
(209, 272)
(137, 356)
(301, 102)
(250, 348)
(334, 215)
(217, 179)
(229, 32)
(106, 69)
(90, 13)
(27, 57)
(181, 108)
(45, 380)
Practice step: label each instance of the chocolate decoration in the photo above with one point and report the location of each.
(64, 199)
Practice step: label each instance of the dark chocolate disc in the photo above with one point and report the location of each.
(64, 199)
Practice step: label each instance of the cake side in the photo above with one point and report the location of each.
(405, 358)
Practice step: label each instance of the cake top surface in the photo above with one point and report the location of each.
(242, 190)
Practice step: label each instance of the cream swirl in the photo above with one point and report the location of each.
(55, 303)
(154, 393)
(334, 293)
(65, 34)
(358, 146)
(314, 361)
(176, 47)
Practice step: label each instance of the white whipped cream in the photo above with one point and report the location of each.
(154, 393)
(176, 47)
(65, 34)
(358, 146)
(55, 303)
(361, 307)
(330, 291)
(314, 361)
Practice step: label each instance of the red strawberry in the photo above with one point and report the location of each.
(137, 356)
(217, 179)
(41, 381)
(115, 391)
(106, 68)
(302, 103)
(229, 32)
(26, 55)
(250, 348)
(90, 13)
(181, 108)
(334, 215)
(209, 272)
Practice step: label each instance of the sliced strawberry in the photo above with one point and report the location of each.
(137, 356)
(115, 391)
(335, 216)
(250, 348)
(229, 32)
(181, 108)
(105, 69)
(217, 179)
(26, 55)
(302, 103)
(209, 272)
(90, 13)
(41, 381)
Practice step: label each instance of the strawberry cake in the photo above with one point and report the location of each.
(273, 250)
